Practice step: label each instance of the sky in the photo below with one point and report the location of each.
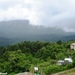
(53, 13)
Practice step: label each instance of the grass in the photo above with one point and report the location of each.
(71, 73)
(68, 72)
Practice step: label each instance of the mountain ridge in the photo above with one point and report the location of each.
(21, 30)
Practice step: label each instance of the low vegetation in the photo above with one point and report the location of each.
(67, 72)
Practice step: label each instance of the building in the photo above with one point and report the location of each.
(65, 61)
(68, 59)
(72, 46)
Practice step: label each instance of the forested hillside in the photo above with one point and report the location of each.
(22, 56)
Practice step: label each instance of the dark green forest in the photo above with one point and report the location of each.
(22, 57)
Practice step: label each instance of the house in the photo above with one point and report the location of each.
(72, 46)
(68, 59)
(65, 61)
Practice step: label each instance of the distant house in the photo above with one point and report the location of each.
(72, 46)
(68, 59)
(65, 61)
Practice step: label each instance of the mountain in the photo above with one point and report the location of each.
(5, 41)
(19, 30)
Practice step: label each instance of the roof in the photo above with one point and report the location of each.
(69, 59)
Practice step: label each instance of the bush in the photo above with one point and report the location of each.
(51, 69)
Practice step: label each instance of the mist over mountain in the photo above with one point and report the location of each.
(20, 30)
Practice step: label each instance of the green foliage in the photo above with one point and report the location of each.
(15, 62)
(51, 69)
(74, 62)
(60, 56)
(59, 42)
(20, 57)
(55, 68)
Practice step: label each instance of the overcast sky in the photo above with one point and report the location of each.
(58, 13)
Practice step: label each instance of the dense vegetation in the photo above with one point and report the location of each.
(21, 57)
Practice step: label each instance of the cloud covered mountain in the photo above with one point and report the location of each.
(19, 30)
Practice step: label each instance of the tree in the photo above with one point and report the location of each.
(60, 56)
(26, 50)
(73, 56)
(59, 42)
(17, 62)
(40, 53)
(14, 47)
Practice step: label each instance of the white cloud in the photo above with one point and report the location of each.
(20, 9)
(59, 13)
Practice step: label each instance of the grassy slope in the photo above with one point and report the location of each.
(68, 72)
